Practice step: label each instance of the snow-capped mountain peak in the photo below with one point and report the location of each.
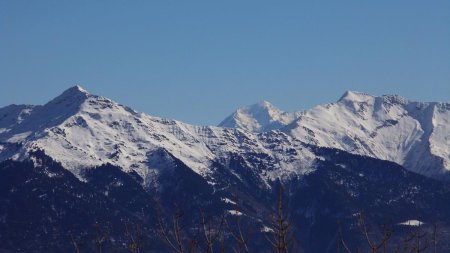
(81, 130)
(355, 96)
(389, 127)
(259, 117)
(71, 97)
(265, 104)
(77, 89)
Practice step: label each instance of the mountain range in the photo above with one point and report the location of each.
(386, 155)
(413, 134)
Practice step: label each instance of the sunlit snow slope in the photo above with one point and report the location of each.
(259, 117)
(82, 130)
(413, 134)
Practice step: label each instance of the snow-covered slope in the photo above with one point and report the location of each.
(260, 117)
(82, 130)
(413, 134)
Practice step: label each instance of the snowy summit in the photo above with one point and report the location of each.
(390, 127)
(260, 117)
(81, 130)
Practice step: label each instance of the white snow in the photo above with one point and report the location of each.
(228, 201)
(266, 229)
(413, 223)
(19, 137)
(259, 117)
(389, 128)
(234, 212)
(81, 130)
(413, 134)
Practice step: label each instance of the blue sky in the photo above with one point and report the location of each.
(197, 61)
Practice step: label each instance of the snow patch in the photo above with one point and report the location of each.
(414, 223)
(19, 137)
(228, 201)
(266, 229)
(234, 212)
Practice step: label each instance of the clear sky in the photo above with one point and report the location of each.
(197, 61)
